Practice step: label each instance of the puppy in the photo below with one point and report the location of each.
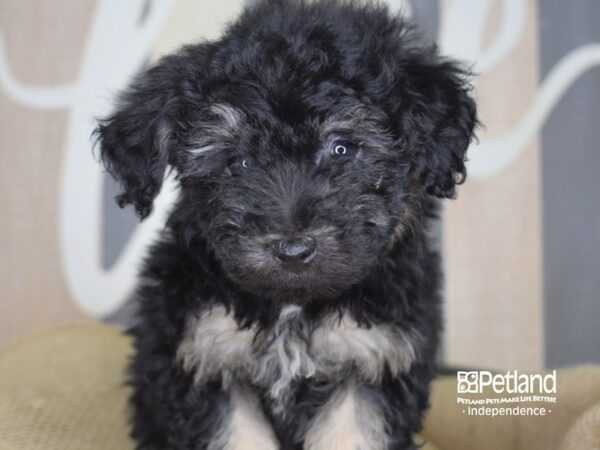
(292, 300)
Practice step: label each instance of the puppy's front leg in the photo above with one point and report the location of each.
(246, 427)
(350, 420)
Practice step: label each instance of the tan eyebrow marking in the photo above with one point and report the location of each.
(216, 134)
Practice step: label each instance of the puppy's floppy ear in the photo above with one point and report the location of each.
(136, 140)
(437, 118)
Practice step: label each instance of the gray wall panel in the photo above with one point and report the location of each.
(571, 191)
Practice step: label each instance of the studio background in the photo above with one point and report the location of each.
(521, 244)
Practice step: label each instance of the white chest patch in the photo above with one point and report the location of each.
(214, 345)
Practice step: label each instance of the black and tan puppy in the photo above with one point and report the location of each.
(292, 301)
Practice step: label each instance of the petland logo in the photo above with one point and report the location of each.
(505, 394)
(512, 382)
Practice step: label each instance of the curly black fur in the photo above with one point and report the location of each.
(326, 119)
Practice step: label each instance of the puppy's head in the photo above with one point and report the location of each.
(305, 141)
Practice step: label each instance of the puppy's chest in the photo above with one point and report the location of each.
(292, 349)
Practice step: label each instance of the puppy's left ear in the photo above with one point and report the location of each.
(437, 117)
(136, 140)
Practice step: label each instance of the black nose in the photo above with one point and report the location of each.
(295, 254)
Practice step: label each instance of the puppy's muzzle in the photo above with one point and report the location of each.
(295, 254)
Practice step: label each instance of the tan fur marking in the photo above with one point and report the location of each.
(216, 135)
(247, 427)
(369, 348)
(214, 343)
(293, 349)
(348, 421)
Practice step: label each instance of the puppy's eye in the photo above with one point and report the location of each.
(236, 166)
(342, 148)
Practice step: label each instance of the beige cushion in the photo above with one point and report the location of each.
(63, 390)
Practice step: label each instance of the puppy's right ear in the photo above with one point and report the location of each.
(434, 110)
(136, 140)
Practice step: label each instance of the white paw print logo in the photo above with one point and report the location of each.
(467, 382)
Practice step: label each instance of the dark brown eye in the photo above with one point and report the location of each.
(237, 166)
(340, 149)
